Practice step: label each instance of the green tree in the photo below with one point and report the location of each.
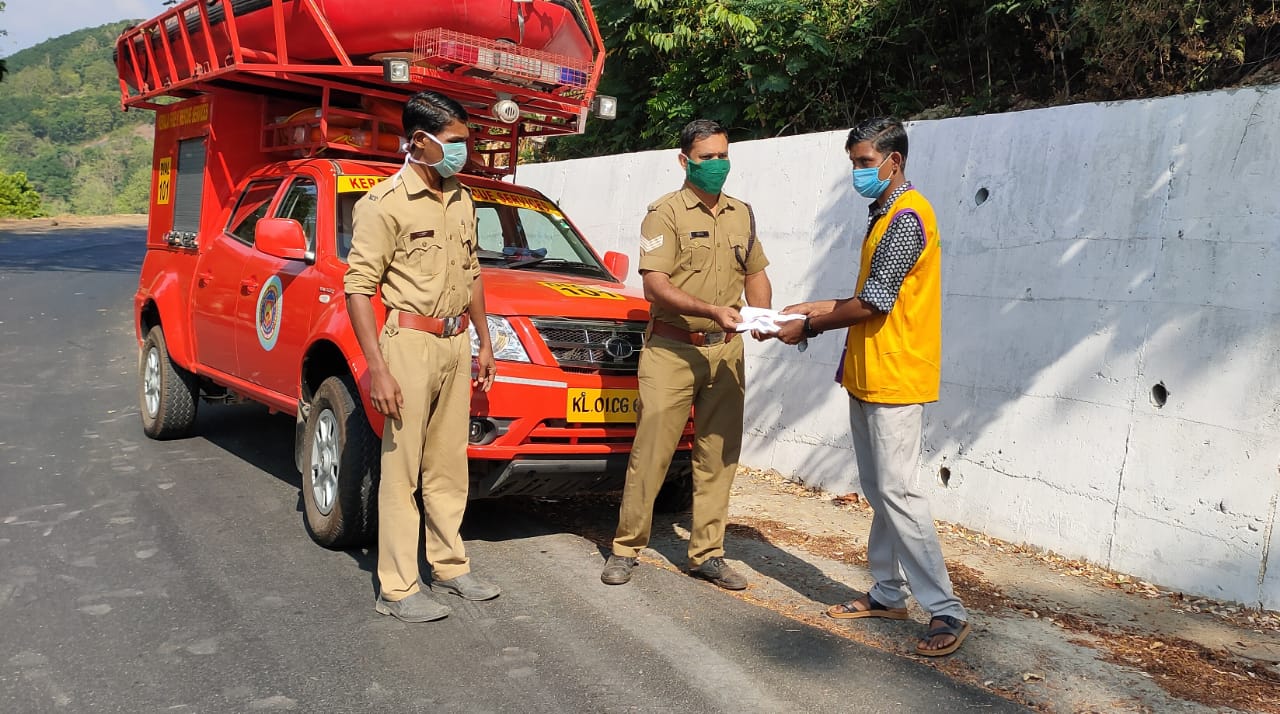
(135, 196)
(3, 69)
(770, 67)
(61, 124)
(18, 198)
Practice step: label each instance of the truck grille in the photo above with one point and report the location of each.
(593, 345)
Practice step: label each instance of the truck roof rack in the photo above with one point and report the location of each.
(290, 52)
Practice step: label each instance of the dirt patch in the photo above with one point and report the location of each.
(779, 533)
(1237, 615)
(47, 225)
(1082, 603)
(1050, 633)
(1186, 669)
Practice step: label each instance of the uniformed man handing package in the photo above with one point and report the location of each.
(698, 254)
(415, 237)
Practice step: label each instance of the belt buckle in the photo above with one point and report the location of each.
(451, 325)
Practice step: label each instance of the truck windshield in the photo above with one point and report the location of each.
(516, 232)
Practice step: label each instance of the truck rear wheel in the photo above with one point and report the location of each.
(340, 468)
(167, 393)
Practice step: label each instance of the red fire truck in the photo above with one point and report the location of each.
(272, 118)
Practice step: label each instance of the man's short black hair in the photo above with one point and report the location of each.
(430, 112)
(696, 131)
(885, 134)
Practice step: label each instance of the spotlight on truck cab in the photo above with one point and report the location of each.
(395, 70)
(605, 106)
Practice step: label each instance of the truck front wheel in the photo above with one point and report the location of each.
(340, 468)
(167, 393)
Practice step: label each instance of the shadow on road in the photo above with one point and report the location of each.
(108, 249)
(265, 442)
(594, 517)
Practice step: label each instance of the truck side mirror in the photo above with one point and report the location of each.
(617, 264)
(281, 238)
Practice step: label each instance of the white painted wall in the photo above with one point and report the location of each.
(1122, 245)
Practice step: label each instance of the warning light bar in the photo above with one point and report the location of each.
(450, 50)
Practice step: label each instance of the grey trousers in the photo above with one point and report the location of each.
(902, 549)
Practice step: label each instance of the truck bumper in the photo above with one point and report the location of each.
(558, 476)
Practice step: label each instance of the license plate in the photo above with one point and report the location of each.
(602, 406)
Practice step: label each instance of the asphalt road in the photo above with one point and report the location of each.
(142, 576)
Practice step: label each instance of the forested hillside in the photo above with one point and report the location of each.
(61, 125)
(772, 67)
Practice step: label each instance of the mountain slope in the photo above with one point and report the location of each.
(61, 124)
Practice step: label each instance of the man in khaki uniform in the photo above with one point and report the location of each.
(698, 252)
(415, 237)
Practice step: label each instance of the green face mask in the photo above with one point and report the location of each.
(708, 175)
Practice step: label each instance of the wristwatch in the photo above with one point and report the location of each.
(808, 328)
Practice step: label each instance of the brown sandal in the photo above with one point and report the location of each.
(958, 629)
(850, 611)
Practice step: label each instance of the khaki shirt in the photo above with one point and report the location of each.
(700, 250)
(421, 251)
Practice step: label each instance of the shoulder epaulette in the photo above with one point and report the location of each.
(658, 203)
(383, 188)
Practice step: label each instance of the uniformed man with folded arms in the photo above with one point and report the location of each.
(415, 238)
(698, 254)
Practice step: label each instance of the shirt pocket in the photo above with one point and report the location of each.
(738, 247)
(466, 247)
(425, 252)
(695, 252)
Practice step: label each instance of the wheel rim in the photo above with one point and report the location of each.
(151, 382)
(324, 462)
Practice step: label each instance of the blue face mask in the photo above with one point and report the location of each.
(867, 182)
(455, 157)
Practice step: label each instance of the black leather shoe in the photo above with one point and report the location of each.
(719, 572)
(617, 570)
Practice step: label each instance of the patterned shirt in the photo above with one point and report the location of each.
(895, 255)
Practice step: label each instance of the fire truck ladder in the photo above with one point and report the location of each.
(195, 48)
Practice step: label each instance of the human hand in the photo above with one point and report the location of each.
(726, 317)
(762, 336)
(791, 332)
(802, 308)
(384, 392)
(486, 369)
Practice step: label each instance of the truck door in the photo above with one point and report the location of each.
(218, 287)
(273, 318)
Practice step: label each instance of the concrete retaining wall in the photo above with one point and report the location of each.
(1120, 247)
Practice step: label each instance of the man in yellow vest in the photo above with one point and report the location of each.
(891, 368)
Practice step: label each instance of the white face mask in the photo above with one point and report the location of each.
(453, 159)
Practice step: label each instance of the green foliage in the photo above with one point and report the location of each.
(770, 67)
(18, 198)
(61, 125)
(1108, 50)
(4, 68)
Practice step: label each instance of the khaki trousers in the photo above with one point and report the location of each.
(426, 450)
(674, 377)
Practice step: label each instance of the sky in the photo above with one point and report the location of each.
(30, 22)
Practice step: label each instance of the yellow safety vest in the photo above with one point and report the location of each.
(897, 358)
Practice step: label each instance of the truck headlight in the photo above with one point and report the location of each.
(506, 343)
